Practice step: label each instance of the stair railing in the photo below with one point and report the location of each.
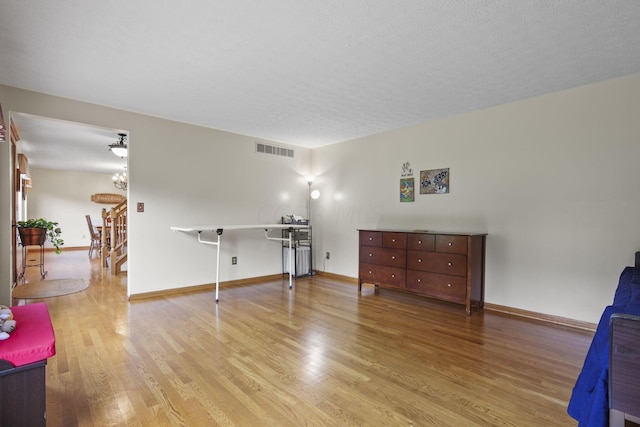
(114, 247)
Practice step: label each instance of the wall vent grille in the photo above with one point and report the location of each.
(274, 149)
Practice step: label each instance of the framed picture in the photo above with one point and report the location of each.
(434, 181)
(407, 190)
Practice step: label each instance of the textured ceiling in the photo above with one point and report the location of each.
(313, 72)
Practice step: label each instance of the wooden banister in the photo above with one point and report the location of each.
(114, 249)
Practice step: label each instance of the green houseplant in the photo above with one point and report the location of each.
(36, 232)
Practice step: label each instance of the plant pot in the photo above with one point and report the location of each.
(32, 236)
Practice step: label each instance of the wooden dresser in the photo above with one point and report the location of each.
(446, 266)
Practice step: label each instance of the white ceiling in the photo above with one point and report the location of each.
(57, 144)
(313, 72)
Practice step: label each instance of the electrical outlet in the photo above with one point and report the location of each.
(140, 207)
(234, 260)
(328, 255)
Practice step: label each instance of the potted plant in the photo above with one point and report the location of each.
(36, 232)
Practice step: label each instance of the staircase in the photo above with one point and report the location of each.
(114, 243)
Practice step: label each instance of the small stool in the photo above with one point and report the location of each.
(23, 359)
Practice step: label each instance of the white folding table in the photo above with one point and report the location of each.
(219, 229)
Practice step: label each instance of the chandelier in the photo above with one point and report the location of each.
(120, 148)
(120, 181)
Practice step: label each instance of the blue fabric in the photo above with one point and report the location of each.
(589, 399)
(635, 287)
(589, 403)
(623, 291)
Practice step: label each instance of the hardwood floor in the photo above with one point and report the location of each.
(318, 355)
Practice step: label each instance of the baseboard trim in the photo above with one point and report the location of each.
(203, 288)
(348, 279)
(212, 286)
(558, 320)
(52, 249)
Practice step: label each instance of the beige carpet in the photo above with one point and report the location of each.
(49, 288)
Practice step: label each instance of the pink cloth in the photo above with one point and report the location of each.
(33, 340)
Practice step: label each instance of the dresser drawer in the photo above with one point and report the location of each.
(422, 242)
(451, 244)
(384, 256)
(382, 275)
(445, 265)
(435, 262)
(394, 240)
(371, 238)
(450, 288)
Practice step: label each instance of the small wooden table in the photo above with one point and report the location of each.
(23, 359)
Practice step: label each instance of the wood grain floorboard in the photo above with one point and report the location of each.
(321, 354)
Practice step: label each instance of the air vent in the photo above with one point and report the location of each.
(273, 149)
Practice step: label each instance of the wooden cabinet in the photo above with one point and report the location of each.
(624, 370)
(447, 266)
(383, 258)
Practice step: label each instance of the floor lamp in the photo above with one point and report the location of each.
(311, 195)
(315, 194)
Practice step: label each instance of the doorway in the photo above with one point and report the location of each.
(60, 167)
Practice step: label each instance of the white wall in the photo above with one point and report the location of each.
(184, 174)
(65, 197)
(216, 178)
(554, 181)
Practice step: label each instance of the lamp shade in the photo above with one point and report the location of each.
(120, 151)
(120, 147)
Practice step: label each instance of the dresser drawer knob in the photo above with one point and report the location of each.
(370, 272)
(449, 285)
(370, 239)
(419, 259)
(370, 254)
(450, 264)
(419, 242)
(450, 243)
(393, 276)
(393, 240)
(419, 280)
(393, 257)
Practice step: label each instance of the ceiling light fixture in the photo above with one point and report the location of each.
(120, 147)
(120, 181)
